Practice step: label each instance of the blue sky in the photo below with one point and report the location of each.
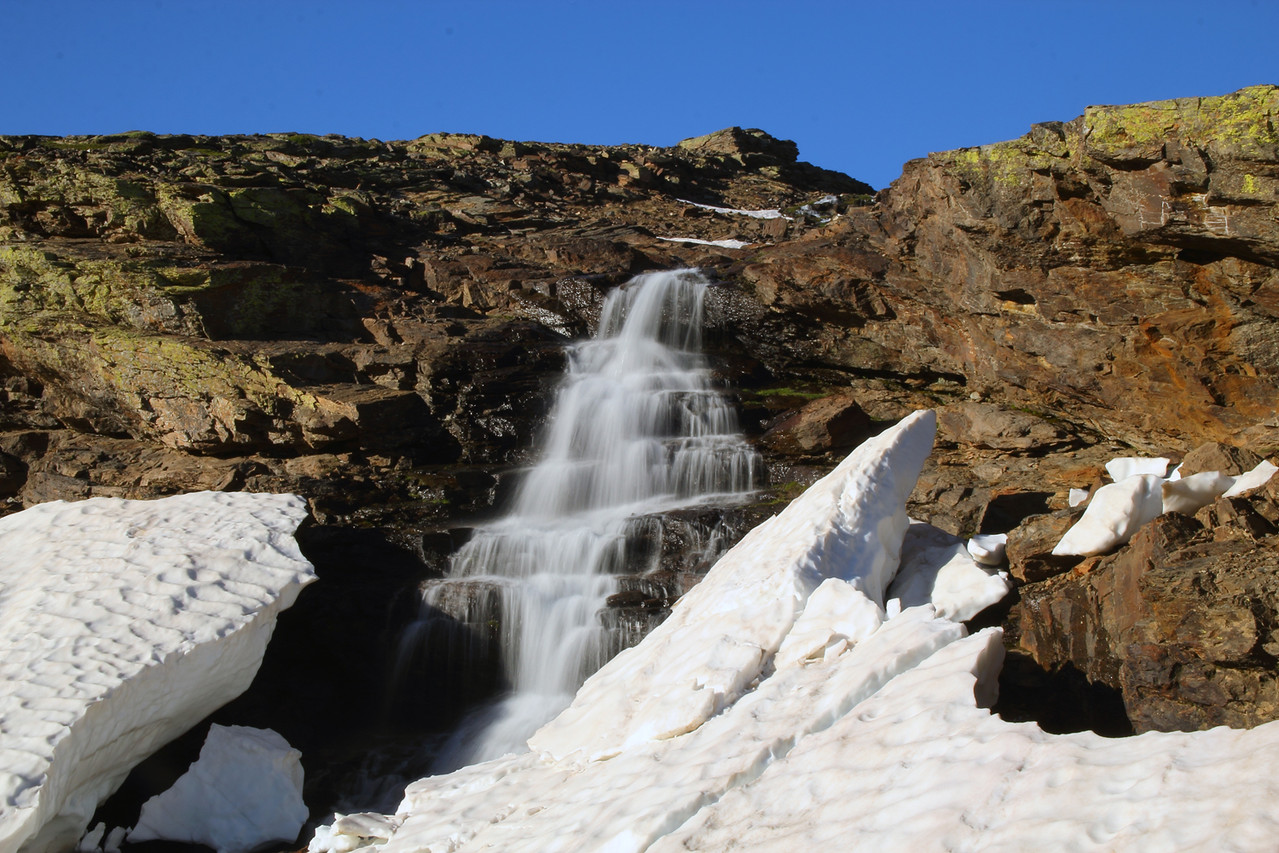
(861, 87)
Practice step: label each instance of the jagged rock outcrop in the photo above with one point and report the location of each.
(1182, 621)
(1117, 269)
(273, 297)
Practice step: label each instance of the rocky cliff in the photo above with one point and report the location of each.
(377, 325)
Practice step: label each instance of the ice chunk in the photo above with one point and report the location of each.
(244, 791)
(937, 569)
(124, 623)
(1113, 515)
(847, 525)
(1123, 467)
(837, 612)
(1188, 494)
(1077, 496)
(353, 832)
(988, 548)
(1253, 479)
(92, 840)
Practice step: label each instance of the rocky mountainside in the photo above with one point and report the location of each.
(377, 326)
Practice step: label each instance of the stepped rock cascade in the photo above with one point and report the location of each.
(638, 429)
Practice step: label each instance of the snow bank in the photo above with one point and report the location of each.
(244, 791)
(919, 766)
(124, 623)
(824, 703)
(734, 211)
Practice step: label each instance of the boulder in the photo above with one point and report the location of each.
(1180, 620)
(1215, 456)
(828, 424)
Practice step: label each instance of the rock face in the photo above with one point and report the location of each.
(1182, 621)
(381, 305)
(377, 326)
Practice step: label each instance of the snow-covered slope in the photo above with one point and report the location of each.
(812, 695)
(123, 623)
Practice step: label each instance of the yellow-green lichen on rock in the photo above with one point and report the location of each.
(1241, 125)
(181, 391)
(1009, 165)
(37, 282)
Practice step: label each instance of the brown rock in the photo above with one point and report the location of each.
(1030, 546)
(993, 427)
(1180, 621)
(831, 423)
(1215, 456)
(738, 141)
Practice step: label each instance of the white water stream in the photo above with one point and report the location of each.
(637, 429)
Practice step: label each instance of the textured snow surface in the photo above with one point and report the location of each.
(844, 711)
(123, 624)
(243, 792)
(919, 766)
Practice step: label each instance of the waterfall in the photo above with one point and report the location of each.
(637, 429)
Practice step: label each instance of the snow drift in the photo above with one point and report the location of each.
(124, 623)
(818, 691)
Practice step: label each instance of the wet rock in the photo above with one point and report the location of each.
(13, 474)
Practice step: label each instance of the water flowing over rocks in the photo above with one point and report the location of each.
(380, 326)
(637, 431)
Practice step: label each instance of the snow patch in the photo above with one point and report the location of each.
(843, 703)
(733, 211)
(1122, 467)
(1114, 514)
(1254, 479)
(723, 244)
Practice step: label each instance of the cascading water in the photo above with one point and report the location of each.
(637, 429)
